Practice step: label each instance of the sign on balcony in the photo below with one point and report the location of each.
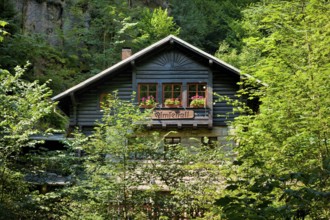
(173, 114)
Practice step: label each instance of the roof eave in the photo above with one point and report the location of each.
(137, 55)
(110, 69)
(208, 56)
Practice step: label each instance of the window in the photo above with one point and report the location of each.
(209, 141)
(197, 94)
(172, 140)
(172, 92)
(170, 148)
(103, 98)
(147, 90)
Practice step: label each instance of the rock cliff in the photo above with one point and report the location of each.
(51, 17)
(41, 16)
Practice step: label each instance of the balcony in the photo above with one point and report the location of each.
(181, 117)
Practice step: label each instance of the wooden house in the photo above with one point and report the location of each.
(173, 72)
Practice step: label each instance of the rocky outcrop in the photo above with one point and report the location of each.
(41, 16)
(53, 18)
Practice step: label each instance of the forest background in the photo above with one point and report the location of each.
(69, 41)
(281, 168)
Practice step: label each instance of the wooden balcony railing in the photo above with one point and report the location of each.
(181, 117)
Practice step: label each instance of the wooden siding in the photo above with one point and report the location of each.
(170, 60)
(88, 109)
(224, 84)
(172, 75)
(201, 119)
(169, 66)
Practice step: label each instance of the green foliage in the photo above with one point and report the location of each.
(130, 173)
(2, 31)
(49, 173)
(154, 26)
(47, 62)
(237, 57)
(7, 14)
(282, 165)
(111, 27)
(206, 23)
(91, 40)
(22, 105)
(94, 32)
(102, 29)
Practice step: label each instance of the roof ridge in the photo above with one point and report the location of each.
(137, 55)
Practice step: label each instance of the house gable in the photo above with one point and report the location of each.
(171, 59)
(168, 62)
(149, 51)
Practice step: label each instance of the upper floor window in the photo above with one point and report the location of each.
(172, 94)
(197, 95)
(147, 94)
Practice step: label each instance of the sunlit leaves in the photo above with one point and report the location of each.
(153, 26)
(129, 165)
(22, 106)
(285, 144)
(2, 31)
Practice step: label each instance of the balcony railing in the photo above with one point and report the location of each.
(181, 117)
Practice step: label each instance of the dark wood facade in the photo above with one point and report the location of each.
(167, 62)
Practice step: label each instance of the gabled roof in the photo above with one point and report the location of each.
(139, 54)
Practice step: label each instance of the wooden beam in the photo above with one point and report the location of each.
(184, 94)
(134, 83)
(210, 120)
(209, 101)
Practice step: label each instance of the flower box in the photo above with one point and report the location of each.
(172, 103)
(197, 102)
(197, 106)
(147, 106)
(172, 106)
(148, 102)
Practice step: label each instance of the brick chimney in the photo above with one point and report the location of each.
(126, 52)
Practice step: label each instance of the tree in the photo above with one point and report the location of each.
(130, 173)
(206, 23)
(22, 106)
(154, 26)
(282, 166)
(237, 57)
(92, 36)
(2, 32)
